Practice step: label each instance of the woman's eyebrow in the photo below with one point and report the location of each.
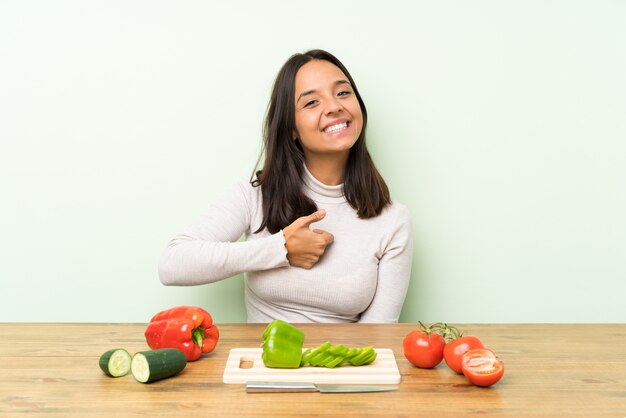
(309, 92)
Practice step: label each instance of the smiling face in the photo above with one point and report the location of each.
(328, 117)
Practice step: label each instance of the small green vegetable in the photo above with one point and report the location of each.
(148, 366)
(115, 362)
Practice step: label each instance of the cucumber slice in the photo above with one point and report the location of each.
(115, 362)
(148, 366)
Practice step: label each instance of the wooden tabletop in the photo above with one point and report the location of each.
(569, 370)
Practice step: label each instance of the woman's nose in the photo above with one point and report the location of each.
(333, 106)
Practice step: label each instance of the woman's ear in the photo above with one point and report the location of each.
(294, 134)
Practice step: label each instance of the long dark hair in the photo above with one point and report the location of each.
(280, 178)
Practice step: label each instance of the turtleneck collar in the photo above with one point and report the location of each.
(321, 192)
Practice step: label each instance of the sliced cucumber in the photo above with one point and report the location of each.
(148, 366)
(115, 362)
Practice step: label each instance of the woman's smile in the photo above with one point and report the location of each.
(337, 128)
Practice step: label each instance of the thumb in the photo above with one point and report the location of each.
(314, 217)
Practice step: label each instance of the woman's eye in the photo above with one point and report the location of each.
(344, 93)
(310, 103)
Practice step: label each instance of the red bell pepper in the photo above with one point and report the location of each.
(188, 328)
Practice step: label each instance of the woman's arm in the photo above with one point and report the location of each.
(394, 273)
(208, 251)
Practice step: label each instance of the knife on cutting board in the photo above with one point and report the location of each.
(269, 387)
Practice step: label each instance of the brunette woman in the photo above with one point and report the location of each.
(323, 240)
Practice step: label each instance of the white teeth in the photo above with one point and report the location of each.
(336, 127)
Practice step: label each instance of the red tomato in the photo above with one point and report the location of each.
(423, 348)
(482, 367)
(454, 350)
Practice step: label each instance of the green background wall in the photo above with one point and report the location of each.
(501, 124)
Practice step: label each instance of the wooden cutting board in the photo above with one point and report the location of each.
(384, 370)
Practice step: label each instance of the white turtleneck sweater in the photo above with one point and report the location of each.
(362, 277)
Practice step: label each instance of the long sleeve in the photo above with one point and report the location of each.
(394, 273)
(208, 250)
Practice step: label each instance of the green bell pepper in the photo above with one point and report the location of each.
(282, 345)
(282, 348)
(328, 355)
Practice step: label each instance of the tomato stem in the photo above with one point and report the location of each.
(448, 332)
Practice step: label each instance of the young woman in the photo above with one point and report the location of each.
(323, 240)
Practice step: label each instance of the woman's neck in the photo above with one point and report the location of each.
(328, 170)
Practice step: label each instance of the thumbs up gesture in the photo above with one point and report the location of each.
(306, 246)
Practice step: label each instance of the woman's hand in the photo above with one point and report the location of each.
(305, 246)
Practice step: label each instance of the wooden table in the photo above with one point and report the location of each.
(52, 370)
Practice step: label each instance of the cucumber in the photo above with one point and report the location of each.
(115, 362)
(148, 366)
